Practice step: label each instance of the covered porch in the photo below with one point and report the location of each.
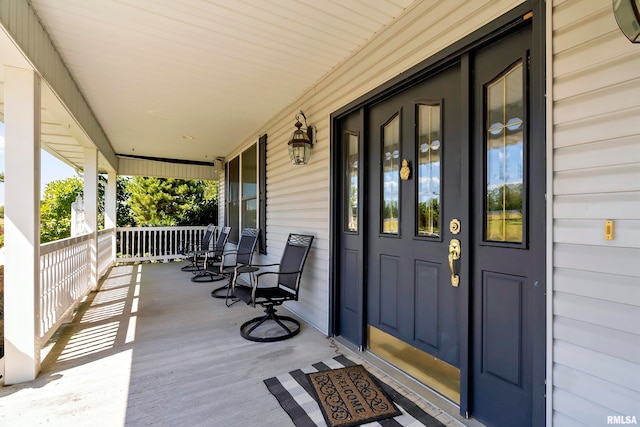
(169, 118)
(205, 90)
(152, 348)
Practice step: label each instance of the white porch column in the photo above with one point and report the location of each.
(111, 211)
(22, 225)
(91, 208)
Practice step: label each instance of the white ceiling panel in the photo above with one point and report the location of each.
(154, 71)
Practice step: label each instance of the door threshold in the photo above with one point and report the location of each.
(430, 396)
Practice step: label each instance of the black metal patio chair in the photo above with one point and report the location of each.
(195, 251)
(233, 259)
(286, 288)
(212, 259)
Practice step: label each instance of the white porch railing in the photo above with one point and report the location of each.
(106, 242)
(65, 268)
(65, 265)
(155, 243)
(64, 279)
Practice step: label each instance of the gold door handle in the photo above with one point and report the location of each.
(454, 255)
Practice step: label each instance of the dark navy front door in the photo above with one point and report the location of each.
(508, 273)
(442, 244)
(414, 192)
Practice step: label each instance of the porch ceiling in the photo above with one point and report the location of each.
(156, 71)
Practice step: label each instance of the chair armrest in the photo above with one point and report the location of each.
(226, 254)
(209, 257)
(264, 265)
(257, 281)
(278, 272)
(234, 252)
(252, 268)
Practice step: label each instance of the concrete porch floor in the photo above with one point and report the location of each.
(153, 348)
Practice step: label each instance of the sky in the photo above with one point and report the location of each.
(51, 169)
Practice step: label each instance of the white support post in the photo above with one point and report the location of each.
(91, 208)
(22, 225)
(111, 211)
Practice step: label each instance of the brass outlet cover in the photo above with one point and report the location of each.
(608, 229)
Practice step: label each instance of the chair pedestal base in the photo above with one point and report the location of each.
(205, 277)
(191, 267)
(221, 292)
(224, 292)
(288, 325)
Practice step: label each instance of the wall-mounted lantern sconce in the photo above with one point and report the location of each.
(627, 13)
(218, 165)
(301, 141)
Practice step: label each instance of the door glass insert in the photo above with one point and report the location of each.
(429, 158)
(505, 157)
(391, 176)
(351, 181)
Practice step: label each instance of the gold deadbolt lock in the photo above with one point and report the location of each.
(454, 226)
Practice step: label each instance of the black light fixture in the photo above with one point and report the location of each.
(301, 141)
(627, 13)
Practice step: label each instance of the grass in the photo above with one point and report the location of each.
(512, 231)
(390, 226)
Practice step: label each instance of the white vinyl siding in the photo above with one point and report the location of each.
(298, 196)
(596, 177)
(141, 167)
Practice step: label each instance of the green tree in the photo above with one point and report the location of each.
(513, 197)
(55, 208)
(429, 216)
(140, 201)
(507, 197)
(205, 211)
(168, 201)
(123, 211)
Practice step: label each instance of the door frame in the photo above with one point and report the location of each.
(457, 52)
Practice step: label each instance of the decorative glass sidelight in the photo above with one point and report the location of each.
(505, 157)
(391, 176)
(429, 161)
(351, 182)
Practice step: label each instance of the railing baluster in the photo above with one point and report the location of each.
(155, 243)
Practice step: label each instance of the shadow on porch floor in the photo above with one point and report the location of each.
(153, 348)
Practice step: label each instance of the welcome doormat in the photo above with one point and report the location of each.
(349, 397)
(297, 397)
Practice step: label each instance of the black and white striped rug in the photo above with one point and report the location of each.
(295, 395)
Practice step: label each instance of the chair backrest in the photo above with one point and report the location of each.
(221, 242)
(247, 245)
(206, 238)
(293, 259)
